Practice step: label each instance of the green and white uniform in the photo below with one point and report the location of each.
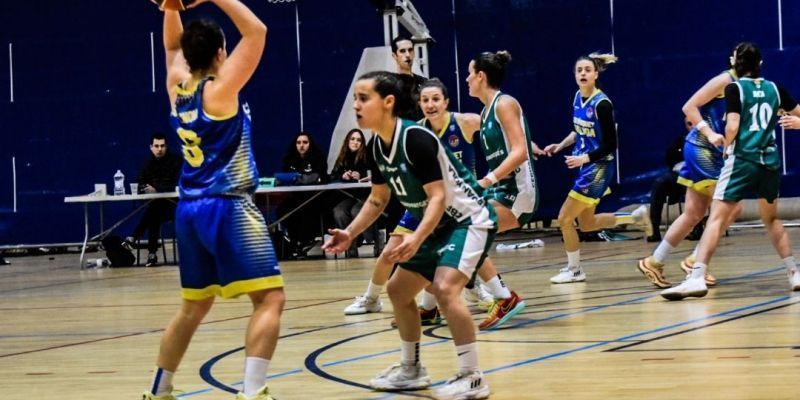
(753, 161)
(415, 158)
(518, 191)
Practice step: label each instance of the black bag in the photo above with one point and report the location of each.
(117, 254)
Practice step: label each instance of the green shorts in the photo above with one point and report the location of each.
(522, 204)
(462, 246)
(740, 178)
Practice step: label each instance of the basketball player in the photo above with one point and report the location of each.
(222, 237)
(752, 164)
(702, 152)
(595, 133)
(455, 231)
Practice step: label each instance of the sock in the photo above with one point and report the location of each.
(467, 357)
(427, 301)
(574, 259)
(661, 252)
(409, 352)
(790, 264)
(698, 271)
(373, 290)
(497, 288)
(694, 252)
(255, 375)
(162, 382)
(622, 218)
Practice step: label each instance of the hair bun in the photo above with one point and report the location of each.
(503, 57)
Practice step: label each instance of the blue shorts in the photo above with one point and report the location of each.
(408, 223)
(593, 181)
(701, 169)
(225, 248)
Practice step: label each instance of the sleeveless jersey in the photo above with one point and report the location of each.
(713, 113)
(587, 125)
(217, 151)
(454, 140)
(462, 193)
(496, 148)
(755, 141)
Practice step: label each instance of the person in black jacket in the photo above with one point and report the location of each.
(351, 166)
(666, 187)
(159, 174)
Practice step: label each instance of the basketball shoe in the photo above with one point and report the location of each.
(641, 218)
(478, 296)
(402, 377)
(426, 317)
(150, 396)
(464, 386)
(653, 271)
(262, 394)
(794, 279)
(502, 311)
(687, 264)
(691, 287)
(363, 305)
(569, 275)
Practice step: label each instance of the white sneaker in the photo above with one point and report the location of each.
(464, 386)
(402, 377)
(478, 296)
(363, 305)
(641, 216)
(794, 279)
(691, 287)
(568, 275)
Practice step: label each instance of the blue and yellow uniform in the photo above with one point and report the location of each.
(453, 138)
(704, 160)
(222, 237)
(595, 177)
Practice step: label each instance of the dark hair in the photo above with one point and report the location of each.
(435, 83)
(158, 136)
(398, 39)
(389, 83)
(747, 60)
(493, 65)
(292, 155)
(361, 153)
(601, 61)
(200, 42)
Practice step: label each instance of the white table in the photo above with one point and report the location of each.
(100, 199)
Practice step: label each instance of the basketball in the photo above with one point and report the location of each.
(174, 5)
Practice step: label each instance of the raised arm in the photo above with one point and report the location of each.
(242, 61)
(177, 69)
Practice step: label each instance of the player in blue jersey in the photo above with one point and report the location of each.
(702, 153)
(222, 237)
(595, 139)
(446, 249)
(752, 166)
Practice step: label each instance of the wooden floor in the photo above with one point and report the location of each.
(71, 334)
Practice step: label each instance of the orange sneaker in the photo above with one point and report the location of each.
(654, 272)
(502, 311)
(687, 264)
(427, 317)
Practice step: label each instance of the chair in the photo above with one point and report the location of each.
(162, 243)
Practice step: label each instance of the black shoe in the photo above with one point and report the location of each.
(152, 260)
(654, 238)
(3, 261)
(352, 252)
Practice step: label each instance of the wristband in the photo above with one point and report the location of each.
(492, 178)
(702, 124)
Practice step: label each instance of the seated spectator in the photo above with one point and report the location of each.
(304, 157)
(351, 166)
(666, 187)
(159, 174)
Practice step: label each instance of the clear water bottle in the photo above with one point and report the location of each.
(119, 183)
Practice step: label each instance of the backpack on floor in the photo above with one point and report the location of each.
(117, 254)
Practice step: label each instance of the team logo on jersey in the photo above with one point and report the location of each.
(589, 112)
(453, 140)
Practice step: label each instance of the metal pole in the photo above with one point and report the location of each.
(299, 70)
(14, 179)
(11, 71)
(455, 54)
(152, 63)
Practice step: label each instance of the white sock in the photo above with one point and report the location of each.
(790, 264)
(497, 288)
(255, 375)
(662, 251)
(373, 290)
(694, 252)
(698, 271)
(409, 352)
(427, 301)
(162, 382)
(467, 357)
(574, 259)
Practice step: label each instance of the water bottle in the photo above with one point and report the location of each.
(119, 183)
